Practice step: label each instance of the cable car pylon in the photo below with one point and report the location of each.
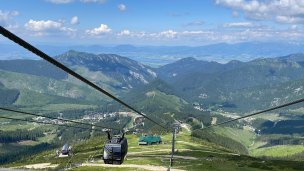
(175, 128)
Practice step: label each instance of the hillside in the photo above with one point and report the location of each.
(38, 83)
(206, 83)
(8, 96)
(209, 82)
(114, 72)
(156, 96)
(191, 154)
(46, 85)
(195, 92)
(33, 67)
(127, 72)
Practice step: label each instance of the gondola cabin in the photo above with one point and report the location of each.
(65, 151)
(115, 149)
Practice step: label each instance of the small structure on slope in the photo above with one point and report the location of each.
(149, 140)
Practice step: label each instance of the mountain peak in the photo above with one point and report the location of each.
(124, 70)
(188, 59)
(297, 57)
(234, 62)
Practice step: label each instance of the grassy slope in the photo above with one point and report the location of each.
(198, 155)
(32, 98)
(279, 150)
(243, 136)
(61, 107)
(98, 77)
(255, 146)
(158, 97)
(48, 86)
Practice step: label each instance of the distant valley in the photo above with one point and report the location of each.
(160, 55)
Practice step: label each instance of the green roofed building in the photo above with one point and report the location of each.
(149, 140)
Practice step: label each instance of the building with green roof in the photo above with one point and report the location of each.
(149, 140)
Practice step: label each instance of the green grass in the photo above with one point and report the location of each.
(98, 77)
(8, 147)
(271, 117)
(94, 168)
(204, 156)
(240, 135)
(47, 138)
(11, 127)
(28, 83)
(278, 151)
(164, 100)
(62, 107)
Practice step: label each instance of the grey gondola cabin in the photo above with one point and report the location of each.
(115, 149)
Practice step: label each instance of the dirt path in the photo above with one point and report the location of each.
(187, 127)
(40, 166)
(146, 167)
(181, 150)
(175, 156)
(214, 120)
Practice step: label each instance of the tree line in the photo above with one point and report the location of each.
(221, 140)
(19, 135)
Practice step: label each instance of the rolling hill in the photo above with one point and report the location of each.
(209, 82)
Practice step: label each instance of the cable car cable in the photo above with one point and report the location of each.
(46, 57)
(66, 120)
(260, 112)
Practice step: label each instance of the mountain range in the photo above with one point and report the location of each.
(161, 55)
(193, 91)
(235, 86)
(234, 83)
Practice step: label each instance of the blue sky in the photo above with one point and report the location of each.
(153, 22)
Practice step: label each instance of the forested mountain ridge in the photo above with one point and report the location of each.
(127, 72)
(32, 79)
(192, 80)
(210, 82)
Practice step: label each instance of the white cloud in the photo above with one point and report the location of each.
(40, 28)
(124, 33)
(7, 16)
(208, 36)
(122, 7)
(60, 1)
(168, 34)
(102, 29)
(281, 11)
(195, 32)
(239, 24)
(290, 19)
(41, 25)
(74, 20)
